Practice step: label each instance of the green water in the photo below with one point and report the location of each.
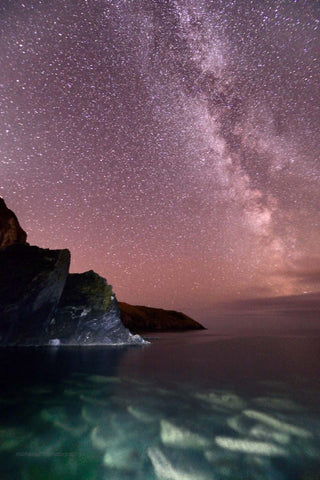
(210, 408)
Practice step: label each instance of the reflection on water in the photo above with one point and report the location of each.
(146, 413)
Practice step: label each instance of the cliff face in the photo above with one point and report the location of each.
(31, 284)
(140, 318)
(88, 313)
(41, 303)
(10, 230)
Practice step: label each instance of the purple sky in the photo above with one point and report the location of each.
(172, 146)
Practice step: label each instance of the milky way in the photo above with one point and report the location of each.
(172, 145)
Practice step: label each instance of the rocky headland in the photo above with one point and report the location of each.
(41, 303)
(147, 319)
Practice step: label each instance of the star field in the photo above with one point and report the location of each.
(172, 146)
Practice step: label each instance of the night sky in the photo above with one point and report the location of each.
(171, 145)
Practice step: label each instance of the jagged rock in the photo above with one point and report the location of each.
(88, 313)
(31, 283)
(87, 289)
(140, 318)
(10, 230)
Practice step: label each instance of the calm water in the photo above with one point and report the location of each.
(189, 406)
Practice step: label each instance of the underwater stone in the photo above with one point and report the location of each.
(123, 458)
(144, 415)
(180, 437)
(221, 399)
(266, 433)
(75, 430)
(241, 424)
(103, 437)
(128, 428)
(171, 465)
(278, 424)
(249, 446)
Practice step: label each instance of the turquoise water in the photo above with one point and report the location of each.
(189, 406)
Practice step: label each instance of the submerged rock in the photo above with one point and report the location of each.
(277, 424)
(104, 437)
(10, 230)
(181, 437)
(88, 313)
(144, 414)
(140, 318)
(227, 400)
(170, 465)
(31, 284)
(241, 424)
(250, 446)
(127, 459)
(263, 432)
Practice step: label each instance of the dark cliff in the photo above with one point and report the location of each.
(41, 303)
(10, 230)
(31, 284)
(140, 318)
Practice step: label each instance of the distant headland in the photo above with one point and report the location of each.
(147, 319)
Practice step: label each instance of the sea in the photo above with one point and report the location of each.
(186, 406)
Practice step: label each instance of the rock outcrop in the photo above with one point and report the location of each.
(31, 284)
(10, 230)
(41, 304)
(143, 319)
(88, 313)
